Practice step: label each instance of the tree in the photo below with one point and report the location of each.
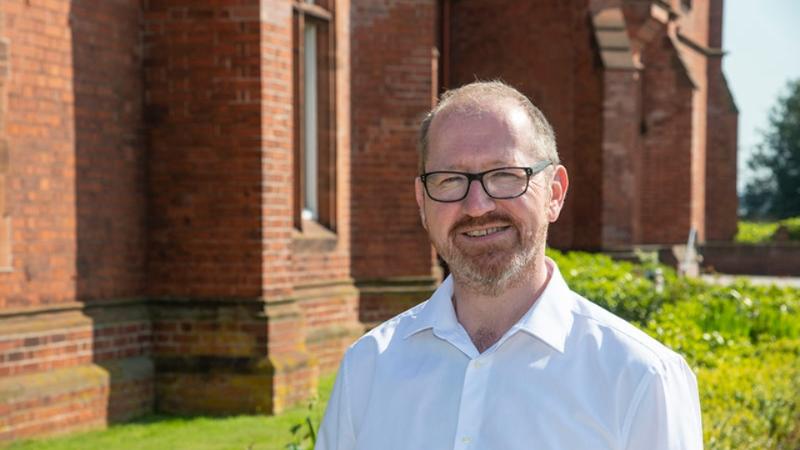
(774, 192)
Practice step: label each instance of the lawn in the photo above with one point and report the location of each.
(190, 433)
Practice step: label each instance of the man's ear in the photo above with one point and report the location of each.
(558, 193)
(420, 195)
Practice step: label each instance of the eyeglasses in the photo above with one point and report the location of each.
(501, 183)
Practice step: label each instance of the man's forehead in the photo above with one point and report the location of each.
(506, 117)
(499, 131)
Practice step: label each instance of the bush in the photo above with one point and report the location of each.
(750, 399)
(743, 342)
(755, 232)
(792, 226)
(761, 232)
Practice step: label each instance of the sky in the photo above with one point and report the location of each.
(762, 41)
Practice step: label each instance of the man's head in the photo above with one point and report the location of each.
(480, 95)
(491, 242)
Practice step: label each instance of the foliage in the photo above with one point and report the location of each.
(304, 432)
(620, 287)
(762, 232)
(743, 342)
(774, 192)
(755, 232)
(792, 227)
(750, 399)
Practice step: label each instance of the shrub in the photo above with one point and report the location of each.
(755, 232)
(792, 226)
(743, 342)
(762, 232)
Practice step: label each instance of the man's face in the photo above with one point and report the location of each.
(489, 244)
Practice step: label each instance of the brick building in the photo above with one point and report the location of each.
(202, 202)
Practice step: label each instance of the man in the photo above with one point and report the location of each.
(503, 355)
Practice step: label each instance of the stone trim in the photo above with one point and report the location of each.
(700, 48)
(70, 307)
(611, 34)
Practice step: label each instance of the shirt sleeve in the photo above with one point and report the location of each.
(665, 413)
(336, 431)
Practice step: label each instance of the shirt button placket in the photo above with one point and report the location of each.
(471, 408)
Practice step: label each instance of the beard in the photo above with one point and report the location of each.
(491, 269)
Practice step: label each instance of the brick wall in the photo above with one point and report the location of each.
(73, 368)
(667, 144)
(490, 41)
(774, 259)
(693, 29)
(5, 218)
(39, 133)
(721, 197)
(392, 79)
(393, 83)
(203, 109)
(109, 151)
(622, 159)
(75, 195)
(147, 158)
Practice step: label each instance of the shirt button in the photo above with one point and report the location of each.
(466, 440)
(477, 364)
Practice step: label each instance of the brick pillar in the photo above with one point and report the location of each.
(621, 158)
(667, 144)
(226, 323)
(620, 147)
(393, 84)
(721, 198)
(5, 219)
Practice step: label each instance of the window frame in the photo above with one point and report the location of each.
(321, 14)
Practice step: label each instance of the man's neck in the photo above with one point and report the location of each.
(487, 318)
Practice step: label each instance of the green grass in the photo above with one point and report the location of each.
(190, 433)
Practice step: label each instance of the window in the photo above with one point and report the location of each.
(686, 4)
(314, 114)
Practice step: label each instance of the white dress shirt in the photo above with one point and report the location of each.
(568, 375)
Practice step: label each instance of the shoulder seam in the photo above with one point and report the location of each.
(662, 357)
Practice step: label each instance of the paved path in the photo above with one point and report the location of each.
(761, 280)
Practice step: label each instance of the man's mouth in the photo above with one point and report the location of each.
(485, 231)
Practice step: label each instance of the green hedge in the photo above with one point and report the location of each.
(743, 342)
(761, 232)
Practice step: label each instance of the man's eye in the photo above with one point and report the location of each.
(506, 175)
(451, 179)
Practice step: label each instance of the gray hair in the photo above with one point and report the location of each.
(480, 94)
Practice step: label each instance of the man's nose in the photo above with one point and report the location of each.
(477, 201)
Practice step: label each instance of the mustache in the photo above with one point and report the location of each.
(471, 222)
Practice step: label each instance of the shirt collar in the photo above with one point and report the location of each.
(437, 313)
(549, 319)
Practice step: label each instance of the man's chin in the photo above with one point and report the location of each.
(491, 272)
(488, 283)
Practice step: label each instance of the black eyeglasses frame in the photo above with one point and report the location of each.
(529, 171)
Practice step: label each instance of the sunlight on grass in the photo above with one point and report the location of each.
(189, 433)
